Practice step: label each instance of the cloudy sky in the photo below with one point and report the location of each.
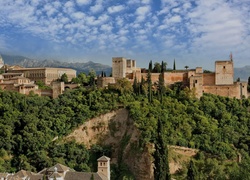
(194, 33)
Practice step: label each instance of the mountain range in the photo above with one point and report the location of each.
(79, 67)
(243, 73)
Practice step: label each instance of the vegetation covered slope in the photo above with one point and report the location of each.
(218, 126)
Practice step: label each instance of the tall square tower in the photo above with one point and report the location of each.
(224, 72)
(119, 67)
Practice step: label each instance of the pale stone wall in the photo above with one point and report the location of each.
(105, 81)
(175, 76)
(224, 90)
(57, 89)
(224, 72)
(243, 89)
(130, 66)
(169, 77)
(46, 75)
(1, 62)
(198, 70)
(119, 67)
(208, 79)
(195, 82)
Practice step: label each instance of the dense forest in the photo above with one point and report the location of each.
(32, 128)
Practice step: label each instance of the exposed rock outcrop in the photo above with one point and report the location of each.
(118, 130)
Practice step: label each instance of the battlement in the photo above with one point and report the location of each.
(220, 82)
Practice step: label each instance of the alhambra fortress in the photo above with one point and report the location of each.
(221, 82)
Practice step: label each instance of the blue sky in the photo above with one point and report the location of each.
(194, 33)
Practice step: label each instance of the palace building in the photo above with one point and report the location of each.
(44, 74)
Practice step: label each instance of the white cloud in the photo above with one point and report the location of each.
(69, 4)
(123, 32)
(98, 7)
(49, 9)
(174, 19)
(106, 27)
(115, 9)
(78, 15)
(145, 1)
(132, 2)
(119, 21)
(69, 7)
(176, 25)
(83, 2)
(142, 12)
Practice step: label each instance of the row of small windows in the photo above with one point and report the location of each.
(23, 81)
(103, 164)
(35, 74)
(117, 61)
(41, 75)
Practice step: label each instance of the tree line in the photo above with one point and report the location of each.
(217, 126)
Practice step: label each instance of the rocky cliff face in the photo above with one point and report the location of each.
(118, 130)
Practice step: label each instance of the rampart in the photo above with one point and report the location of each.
(220, 82)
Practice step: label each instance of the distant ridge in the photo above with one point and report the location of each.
(79, 67)
(243, 73)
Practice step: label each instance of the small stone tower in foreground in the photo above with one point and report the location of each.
(104, 166)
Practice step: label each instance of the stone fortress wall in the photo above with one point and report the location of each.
(219, 82)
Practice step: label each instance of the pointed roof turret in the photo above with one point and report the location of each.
(103, 158)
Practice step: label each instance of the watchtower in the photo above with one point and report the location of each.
(224, 72)
(104, 166)
(119, 67)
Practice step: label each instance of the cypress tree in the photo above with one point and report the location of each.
(161, 86)
(161, 156)
(149, 81)
(248, 86)
(174, 68)
(192, 171)
(135, 86)
(141, 86)
(161, 82)
(150, 66)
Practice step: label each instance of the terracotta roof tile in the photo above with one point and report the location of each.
(60, 168)
(81, 176)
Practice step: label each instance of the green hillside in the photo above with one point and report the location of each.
(217, 126)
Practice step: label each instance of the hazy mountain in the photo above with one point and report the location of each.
(79, 67)
(243, 73)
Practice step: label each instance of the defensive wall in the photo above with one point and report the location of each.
(219, 82)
